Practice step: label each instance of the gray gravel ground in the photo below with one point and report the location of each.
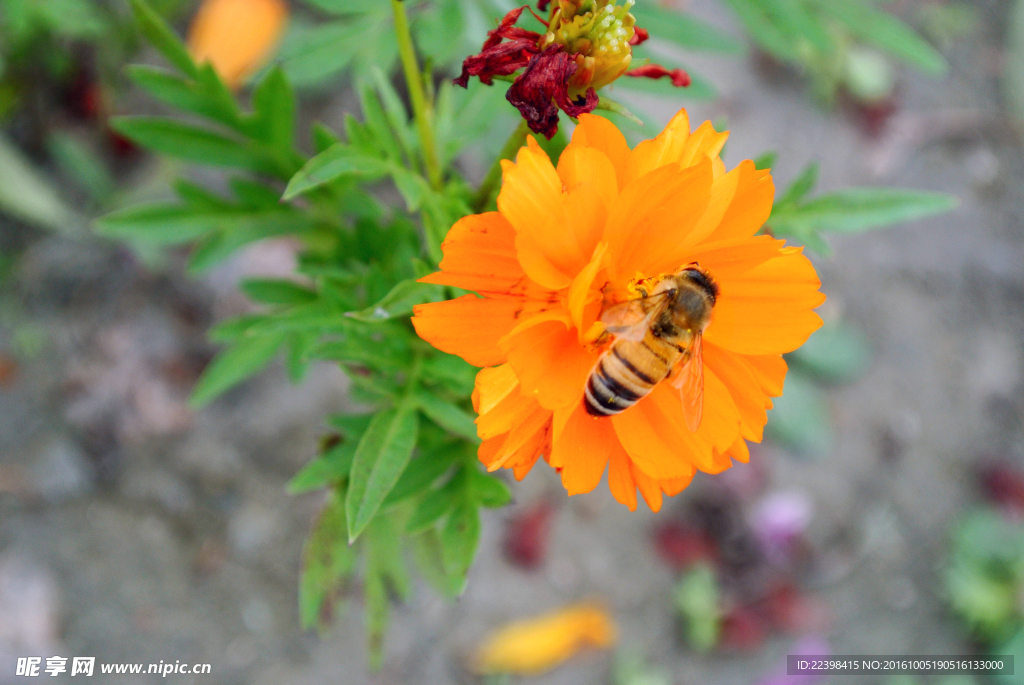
(135, 530)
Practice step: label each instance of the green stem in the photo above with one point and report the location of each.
(421, 108)
(488, 189)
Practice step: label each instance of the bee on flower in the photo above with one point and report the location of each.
(628, 314)
(588, 44)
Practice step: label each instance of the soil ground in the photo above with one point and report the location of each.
(134, 530)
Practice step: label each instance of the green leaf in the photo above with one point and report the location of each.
(160, 224)
(422, 472)
(327, 469)
(448, 416)
(489, 491)
(384, 568)
(683, 29)
(460, 538)
(609, 105)
(451, 372)
(381, 457)
(338, 161)
(163, 39)
(766, 160)
(185, 95)
(277, 291)
(80, 161)
(696, 598)
(763, 30)
(274, 112)
(232, 329)
(859, 209)
(327, 563)
(800, 419)
(434, 506)
(885, 31)
(835, 352)
(430, 561)
(27, 195)
(803, 184)
(400, 301)
(352, 426)
(245, 358)
(192, 143)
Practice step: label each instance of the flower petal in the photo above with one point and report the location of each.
(492, 386)
(750, 399)
(468, 326)
(589, 191)
(511, 411)
(480, 254)
(767, 310)
(653, 216)
(751, 203)
(549, 360)
(581, 449)
(620, 476)
(599, 133)
(650, 433)
(531, 200)
(666, 148)
(582, 292)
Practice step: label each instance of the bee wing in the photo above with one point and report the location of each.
(630, 320)
(690, 383)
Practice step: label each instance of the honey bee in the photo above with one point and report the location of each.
(655, 336)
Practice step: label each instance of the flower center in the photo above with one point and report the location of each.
(597, 34)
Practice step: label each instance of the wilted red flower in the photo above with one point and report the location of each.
(587, 45)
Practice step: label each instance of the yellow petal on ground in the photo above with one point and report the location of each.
(539, 644)
(237, 37)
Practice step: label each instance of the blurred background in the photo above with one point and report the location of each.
(885, 514)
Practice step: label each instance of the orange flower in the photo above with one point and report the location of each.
(569, 242)
(236, 36)
(539, 644)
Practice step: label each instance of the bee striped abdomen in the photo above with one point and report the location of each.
(625, 374)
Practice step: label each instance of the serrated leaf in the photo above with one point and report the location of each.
(399, 302)
(246, 357)
(460, 538)
(276, 291)
(163, 38)
(183, 94)
(338, 161)
(683, 29)
(383, 452)
(327, 562)
(232, 329)
(448, 416)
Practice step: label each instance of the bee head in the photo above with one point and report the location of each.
(701, 279)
